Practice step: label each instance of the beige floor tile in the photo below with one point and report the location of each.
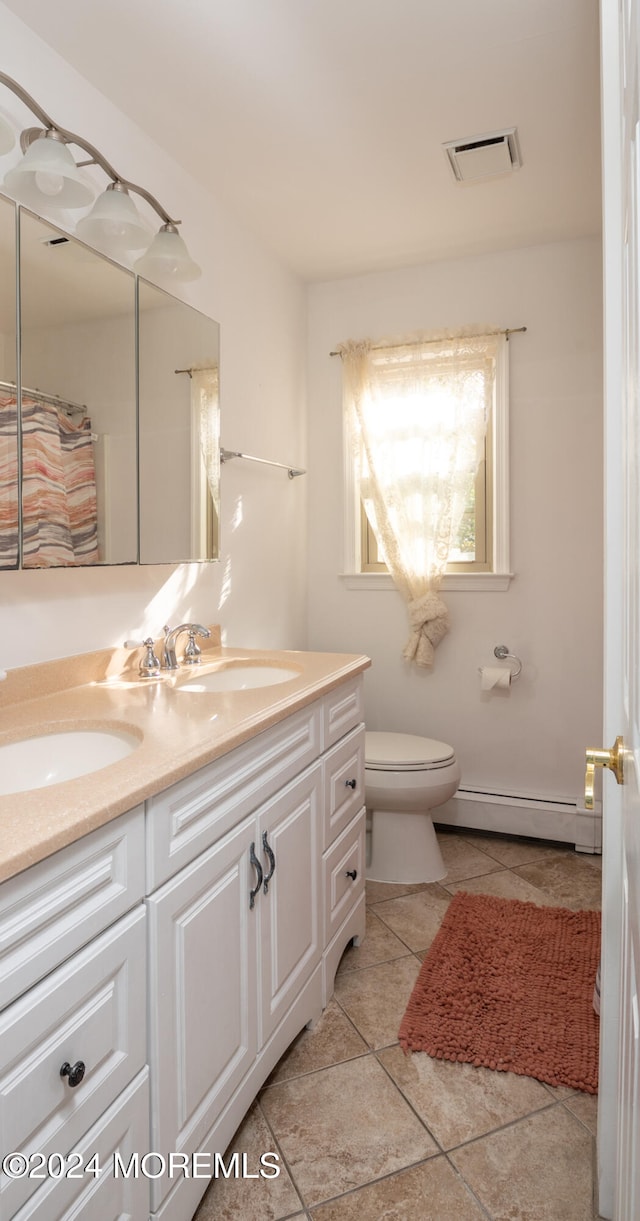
(585, 1108)
(379, 945)
(261, 1199)
(506, 885)
(462, 859)
(342, 1127)
(378, 892)
(429, 1192)
(332, 1040)
(539, 1169)
(375, 999)
(571, 881)
(415, 919)
(458, 1102)
(513, 852)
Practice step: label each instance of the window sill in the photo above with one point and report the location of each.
(474, 582)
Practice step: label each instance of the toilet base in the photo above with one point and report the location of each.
(404, 848)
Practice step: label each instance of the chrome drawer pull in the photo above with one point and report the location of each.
(258, 868)
(75, 1073)
(268, 850)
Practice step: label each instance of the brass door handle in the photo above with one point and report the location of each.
(613, 759)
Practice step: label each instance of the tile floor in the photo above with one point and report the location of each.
(365, 1132)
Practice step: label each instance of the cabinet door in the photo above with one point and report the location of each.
(290, 910)
(203, 978)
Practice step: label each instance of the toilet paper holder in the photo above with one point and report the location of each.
(501, 651)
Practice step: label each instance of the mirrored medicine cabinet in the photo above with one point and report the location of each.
(110, 453)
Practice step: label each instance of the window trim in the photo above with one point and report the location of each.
(500, 576)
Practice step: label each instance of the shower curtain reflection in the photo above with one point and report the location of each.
(59, 511)
(8, 483)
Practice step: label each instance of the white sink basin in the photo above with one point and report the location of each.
(239, 676)
(51, 758)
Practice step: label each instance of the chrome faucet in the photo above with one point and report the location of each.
(192, 652)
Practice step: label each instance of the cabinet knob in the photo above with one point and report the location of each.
(351, 873)
(75, 1072)
(351, 784)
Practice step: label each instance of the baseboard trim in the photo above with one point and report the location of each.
(537, 818)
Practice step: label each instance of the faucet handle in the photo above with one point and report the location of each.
(192, 651)
(150, 665)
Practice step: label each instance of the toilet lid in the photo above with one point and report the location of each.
(405, 752)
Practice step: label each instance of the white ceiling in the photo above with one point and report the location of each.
(321, 121)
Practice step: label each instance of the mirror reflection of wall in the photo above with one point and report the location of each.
(9, 458)
(179, 430)
(79, 492)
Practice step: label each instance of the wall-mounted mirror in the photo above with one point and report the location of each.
(110, 468)
(179, 438)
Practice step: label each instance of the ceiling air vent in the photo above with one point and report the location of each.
(484, 156)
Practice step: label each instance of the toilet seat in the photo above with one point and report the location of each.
(403, 752)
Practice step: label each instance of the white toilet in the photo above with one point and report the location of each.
(405, 778)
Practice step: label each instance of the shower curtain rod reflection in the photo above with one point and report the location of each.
(293, 471)
(413, 343)
(41, 397)
(196, 369)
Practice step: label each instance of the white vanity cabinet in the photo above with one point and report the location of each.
(153, 972)
(239, 936)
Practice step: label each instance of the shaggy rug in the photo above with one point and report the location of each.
(509, 985)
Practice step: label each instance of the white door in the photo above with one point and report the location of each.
(619, 1102)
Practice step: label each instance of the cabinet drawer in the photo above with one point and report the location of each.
(83, 1196)
(190, 816)
(342, 710)
(55, 907)
(345, 857)
(343, 784)
(91, 1010)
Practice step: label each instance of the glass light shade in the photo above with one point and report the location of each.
(167, 258)
(7, 137)
(114, 224)
(48, 176)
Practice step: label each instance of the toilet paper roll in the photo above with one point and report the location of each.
(494, 677)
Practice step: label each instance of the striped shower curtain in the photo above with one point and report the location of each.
(8, 484)
(59, 512)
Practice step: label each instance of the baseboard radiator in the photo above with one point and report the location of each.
(510, 814)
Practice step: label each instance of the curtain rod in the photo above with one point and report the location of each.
(413, 343)
(227, 454)
(197, 369)
(54, 399)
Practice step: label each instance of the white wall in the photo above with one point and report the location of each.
(257, 591)
(530, 740)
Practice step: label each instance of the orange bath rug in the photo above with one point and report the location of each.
(509, 985)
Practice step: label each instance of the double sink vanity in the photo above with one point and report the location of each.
(181, 869)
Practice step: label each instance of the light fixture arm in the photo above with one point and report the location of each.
(69, 137)
(27, 99)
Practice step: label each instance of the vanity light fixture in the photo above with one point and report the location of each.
(114, 221)
(48, 177)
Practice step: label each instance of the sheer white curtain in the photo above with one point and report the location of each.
(416, 413)
(205, 399)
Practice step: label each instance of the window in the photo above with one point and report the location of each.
(421, 400)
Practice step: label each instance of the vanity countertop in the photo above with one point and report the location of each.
(179, 731)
